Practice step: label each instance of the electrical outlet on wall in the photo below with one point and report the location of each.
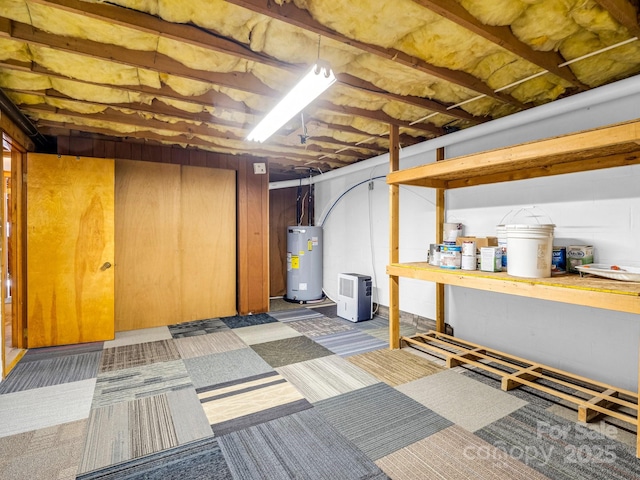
(259, 168)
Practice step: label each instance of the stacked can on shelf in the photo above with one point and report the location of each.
(469, 259)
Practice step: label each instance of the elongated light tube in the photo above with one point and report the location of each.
(316, 81)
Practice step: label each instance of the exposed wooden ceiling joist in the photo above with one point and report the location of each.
(292, 15)
(624, 12)
(503, 37)
(208, 40)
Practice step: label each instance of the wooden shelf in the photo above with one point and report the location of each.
(587, 291)
(607, 147)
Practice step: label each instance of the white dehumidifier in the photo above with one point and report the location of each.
(354, 297)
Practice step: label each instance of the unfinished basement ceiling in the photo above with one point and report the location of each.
(202, 73)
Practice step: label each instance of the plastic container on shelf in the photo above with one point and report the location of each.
(529, 243)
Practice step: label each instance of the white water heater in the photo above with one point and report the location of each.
(304, 263)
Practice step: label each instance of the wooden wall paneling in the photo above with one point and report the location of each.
(180, 156)
(282, 213)
(253, 242)
(70, 224)
(147, 244)
(208, 242)
(123, 150)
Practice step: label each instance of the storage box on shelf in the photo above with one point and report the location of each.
(606, 147)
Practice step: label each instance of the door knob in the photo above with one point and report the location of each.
(105, 266)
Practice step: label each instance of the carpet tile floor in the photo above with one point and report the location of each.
(297, 393)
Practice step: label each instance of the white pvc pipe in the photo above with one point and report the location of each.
(604, 94)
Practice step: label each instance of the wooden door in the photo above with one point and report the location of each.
(175, 244)
(208, 241)
(148, 290)
(70, 249)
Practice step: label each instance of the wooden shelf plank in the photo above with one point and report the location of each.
(606, 147)
(587, 291)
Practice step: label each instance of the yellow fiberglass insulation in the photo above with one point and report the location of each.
(23, 80)
(495, 12)
(26, 98)
(12, 50)
(544, 24)
(78, 107)
(200, 58)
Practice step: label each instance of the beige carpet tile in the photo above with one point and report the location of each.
(127, 430)
(45, 407)
(320, 326)
(326, 377)
(394, 367)
(464, 401)
(128, 356)
(51, 453)
(201, 345)
(143, 335)
(267, 332)
(454, 454)
(242, 403)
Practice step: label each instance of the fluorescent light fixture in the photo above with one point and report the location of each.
(316, 81)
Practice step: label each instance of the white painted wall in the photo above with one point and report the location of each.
(601, 208)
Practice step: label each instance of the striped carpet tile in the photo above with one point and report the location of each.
(147, 380)
(350, 342)
(39, 371)
(46, 353)
(326, 377)
(200, 345)
(197, 327)
(126, 430)
(198, 460)
(319, 326)
(128, 356)
(250, 401)
(454, 454)
(559, 448)
(301, 445)
(394, 367)
(295, 315)
(379, 419)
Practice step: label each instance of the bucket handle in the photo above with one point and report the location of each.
(523, 209)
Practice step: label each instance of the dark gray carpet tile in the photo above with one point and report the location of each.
(197, 460)
(55, 370)
(47, 353)
(198, 327)
(379, 419)
(128, 356)
(290, 350)
(330, 311)
(559, 448)
(136, 382)
(301, 445)
(240, 321)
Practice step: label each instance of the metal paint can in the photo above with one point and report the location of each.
(434, 255)
(450, 256)
(559, 260)
(468, 262)
(468, 248)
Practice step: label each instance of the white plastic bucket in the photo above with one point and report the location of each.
(530, 250)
